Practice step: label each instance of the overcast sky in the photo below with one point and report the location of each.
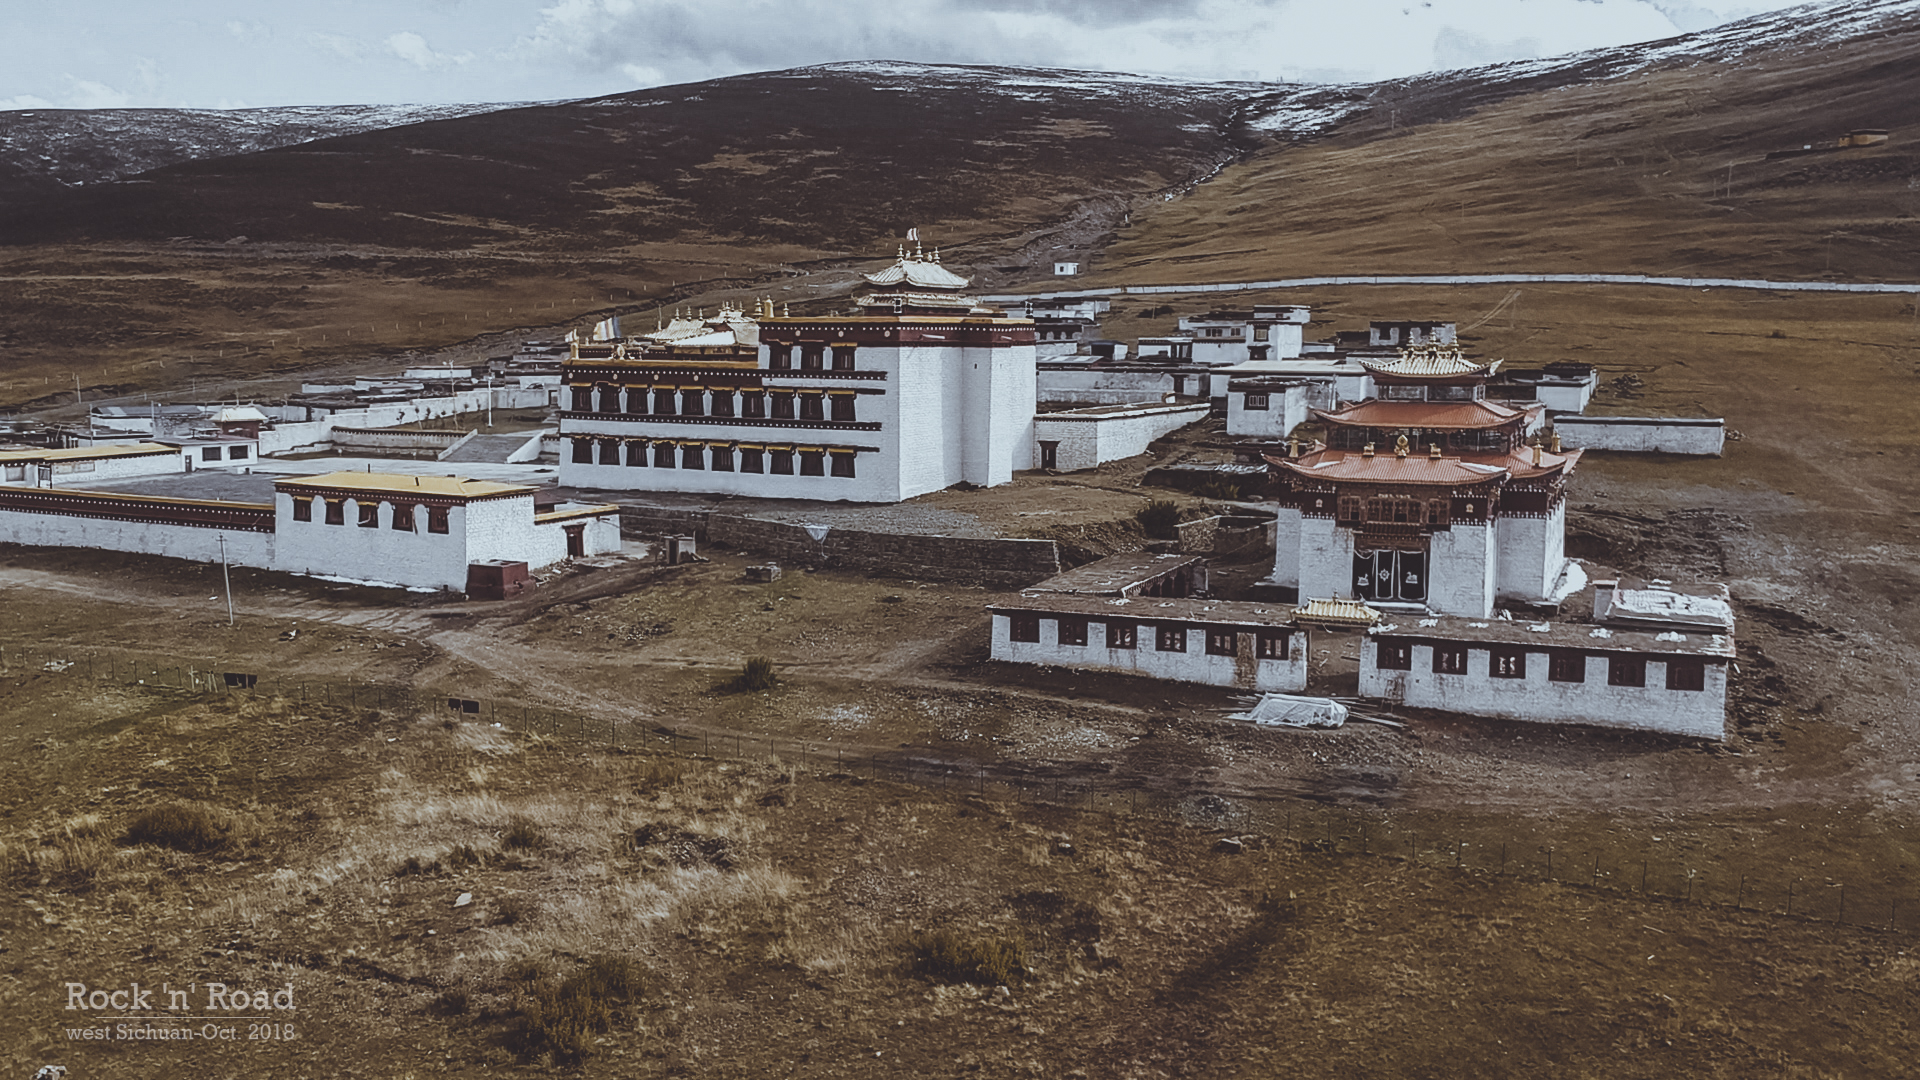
(239, 53)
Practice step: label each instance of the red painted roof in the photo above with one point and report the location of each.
(1432, 415)
(1350, 465)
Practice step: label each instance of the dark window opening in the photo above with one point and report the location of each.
(782, 462)
(583, 399)
(663, 455)
(843, 407)
(1626, 671)
(810, 357)
(1507, 663)
(637, 454)
(812, 407)
(841, 464)
(236, 453)
(780, 357)
(1566, 667)
(812, 463)
(302, 508)
(1023, 628)
(1450, 659)
(1394, 656)
(663, 403)
(723, 459)
(693, 403)
(843, 358)
(782, 406)
(1686, 673)
(583, 451)
(1071, 631)
(1273, 645)
(1256, 403)
(402, 517)
(1171, 639)
(437, 519)
(693, 457)
(609, 452)
(209, 453)
(752, 461)
(609, 399)
(753, 406)
(1122, 634)
(723, 403)
(336, 512)
(636, 399)
(1223, 643)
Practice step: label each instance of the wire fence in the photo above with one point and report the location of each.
(1707, 876)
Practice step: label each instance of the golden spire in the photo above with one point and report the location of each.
(1556, 443)
(1400, 447)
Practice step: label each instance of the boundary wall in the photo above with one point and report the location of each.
(1644, 434)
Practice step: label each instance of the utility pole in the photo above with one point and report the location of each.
(226, 578)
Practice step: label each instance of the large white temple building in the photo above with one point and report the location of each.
(920, 388)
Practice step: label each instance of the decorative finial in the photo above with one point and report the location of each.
(1400, 447)
(936, 253)
(1556, 442)
(1434, 451)
(1367, 450)
(1293, 447)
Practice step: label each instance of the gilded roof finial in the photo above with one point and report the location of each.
(1400, 447)
(1367, 450)
(1555, 447)
(936, 253)
(1434, 451)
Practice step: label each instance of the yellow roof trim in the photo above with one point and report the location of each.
(397, 484)
(1350, 612)
(88, 453)
(597, 510)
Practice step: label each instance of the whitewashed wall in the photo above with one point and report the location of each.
(1532, 553)
(1087, 440)
(1462, 569)
(193, 542)
(1326, 559)
(1286, 547)
(1097, 387)
(1698, 713)
(1245, 670)
(1286, 410)
(1644, 434)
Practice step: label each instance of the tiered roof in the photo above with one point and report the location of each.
(1430, 360)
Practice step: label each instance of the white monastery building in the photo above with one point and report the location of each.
(919, 390)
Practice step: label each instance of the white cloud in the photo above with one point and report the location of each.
(87, 94)
(414, 49)
(25, 101)
(344, 47)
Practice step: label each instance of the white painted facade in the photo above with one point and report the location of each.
(1085, 438)
(79, 466)
(1644, 434)
(1536, 697)
(1264, 332)
(1191, 663)
(166, 539)
(1275, 408)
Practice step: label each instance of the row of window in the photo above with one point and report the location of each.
(812, 357)
(1167, 637)
(753, 404)
(368, 514)
(1354, 510)
(236, 452)
(1477, 440)
(780, 461)
(1563, 665)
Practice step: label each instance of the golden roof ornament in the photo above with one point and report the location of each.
(1400, 447)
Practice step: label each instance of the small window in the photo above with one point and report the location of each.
(1450, 659)
(841, 464)
(1072, 631)
(1350, 508)
(782, 462)
(637, 454)
(843, 408)
(810, 357)
(1122, 634)
(437, 519)
(843, 358)
(336, 512)
(663, 455)
(1259, 333)
(1627, 671)
(583, 399)
(302, 508)
(583, 451)
(1686, 673)
(782, 406)
(753, 405)
(813, 463)
(693, 457)
(1566, 667)
(236, 453)
(723, 459)
(1256, 403)
(1023, 628)
(1393, 656)
(609, 399)
(1507, 663)
(402, 517)
(209, 453)
(812, 407)
(693, 402)
(780, 357)
(636, 399)
(1223, 643)
(723, 403)
(663, 403)
(609, 452)
(1272, 644)
(753, 461)
(1170, 639)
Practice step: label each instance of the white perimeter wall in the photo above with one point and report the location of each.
(1245, 670)
(1103, 387)
(1699, 713)
(172, 541)
(1462, 568)
(1087, 441)
(1325, 560)
(112, 468)
(289, 436)
(1286, 546)
(1642, 434)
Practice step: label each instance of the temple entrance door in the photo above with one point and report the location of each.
(1049, 455)
(1390, 576)
(576, 541)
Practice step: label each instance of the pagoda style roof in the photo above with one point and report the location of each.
(1429, 415)
(1430, 361)
(1336, 612)
(915, 270)
(1425, 469)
